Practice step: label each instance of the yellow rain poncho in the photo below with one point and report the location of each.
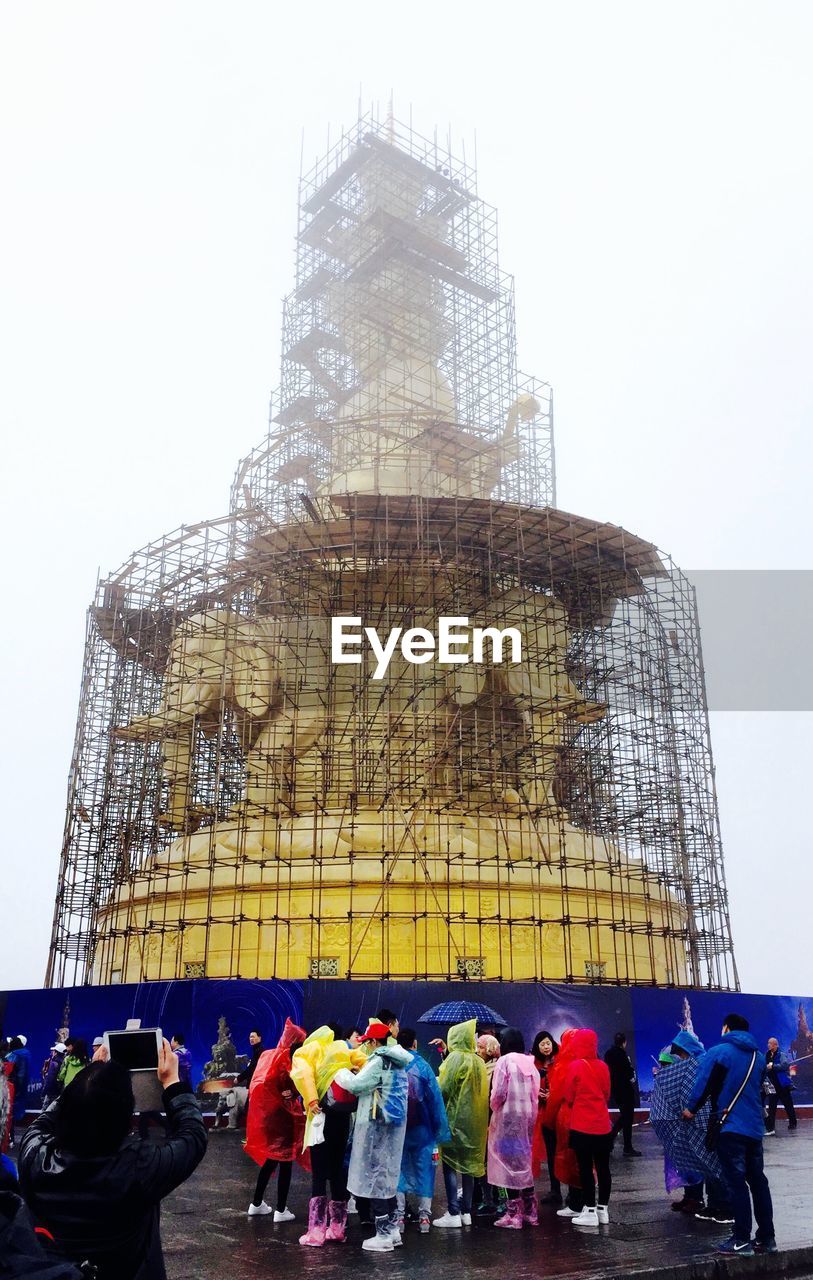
(314, 1066)
(464, 1084)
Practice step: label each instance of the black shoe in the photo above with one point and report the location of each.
(793, 1126)
(693, 1207)
(630, 1151)
(485, 1211)
(552, 1198)
(765, 1246)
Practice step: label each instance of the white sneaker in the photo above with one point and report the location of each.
(378, 1244)
(603, 1215)
(466, 1219)
(283, 1215)
(351, 1205)
(255, 1210)
(448, 1220)
(567, 1213)
(587, 1218)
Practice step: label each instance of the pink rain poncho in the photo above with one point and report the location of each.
(464, 1085)
(514, 1106)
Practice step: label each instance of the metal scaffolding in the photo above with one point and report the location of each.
(242, 805)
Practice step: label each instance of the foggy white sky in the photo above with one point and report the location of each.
(652, 168)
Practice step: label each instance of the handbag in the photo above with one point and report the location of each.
(717, 1119)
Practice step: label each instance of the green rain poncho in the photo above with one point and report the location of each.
(464, 1084)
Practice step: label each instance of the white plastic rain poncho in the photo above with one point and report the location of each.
(464, 1084)
(378, 1137)
(514, 1106)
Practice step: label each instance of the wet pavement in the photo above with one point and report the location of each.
(206, 1231)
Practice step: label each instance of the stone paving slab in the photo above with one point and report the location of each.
(207, 1234)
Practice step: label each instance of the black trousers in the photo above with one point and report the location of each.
(592, 1150)
(549, 1136)
(626, 1116)
(383, 1208)
(782, 1098)
(327, 1158)
(283, 1181)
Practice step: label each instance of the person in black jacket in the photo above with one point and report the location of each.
(622, 1087)
(98, 1190)
(255, 1039)
(21, 1253)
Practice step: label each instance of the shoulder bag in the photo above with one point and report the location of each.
(717, 1119)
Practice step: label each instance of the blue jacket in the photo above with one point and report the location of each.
(720, 1074)
(780, 1072)
(426, 1128)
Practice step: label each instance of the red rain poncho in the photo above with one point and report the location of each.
(557, 1113)
(276, 1118)
(587, 1086)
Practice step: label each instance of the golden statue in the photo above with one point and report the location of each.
(416, 824)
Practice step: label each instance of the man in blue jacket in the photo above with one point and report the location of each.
(722, 1075)
(778, 1085)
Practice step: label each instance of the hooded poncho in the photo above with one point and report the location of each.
(514, 1104)
(427, 1127)
(275, 1127)
(314, 1066)
(378, 1136)
(464, 1084)
(683, 1140)
(587, 1085)
(557, 1112)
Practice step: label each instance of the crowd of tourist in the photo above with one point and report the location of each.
(368, 1118)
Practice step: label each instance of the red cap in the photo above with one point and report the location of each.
(376, 1031)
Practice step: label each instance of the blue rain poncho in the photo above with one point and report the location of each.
(378, 1137)
(683, 1141)
(427, 1127)
(464, 1084)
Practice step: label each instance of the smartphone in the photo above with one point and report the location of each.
(135, 1050)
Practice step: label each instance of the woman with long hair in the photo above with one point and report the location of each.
(544, 1050)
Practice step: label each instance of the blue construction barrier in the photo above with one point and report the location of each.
(650, 1017)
